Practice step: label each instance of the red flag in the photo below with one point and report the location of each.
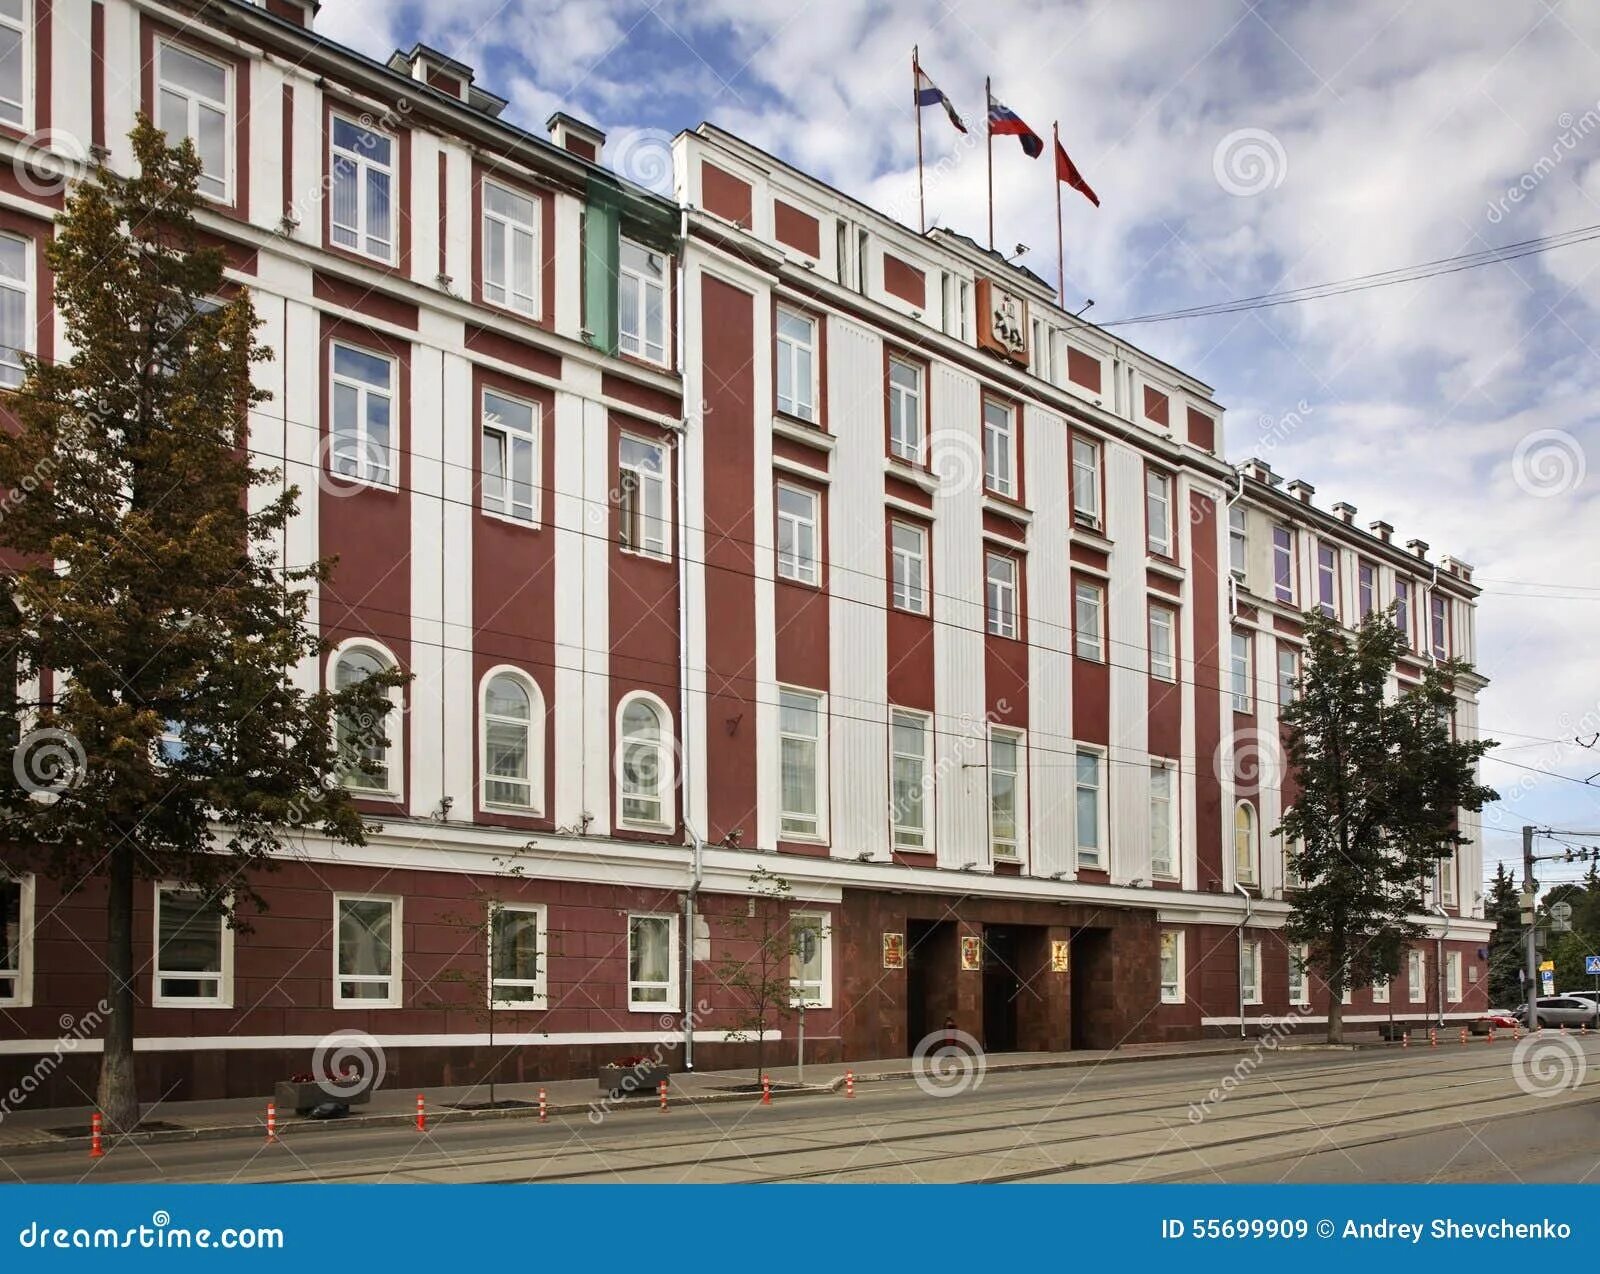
(1067, 171)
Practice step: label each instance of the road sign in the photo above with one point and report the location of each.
(1591, 964)
(1561, 917)
(1549, 980)
(1547, 966)
(806, 945)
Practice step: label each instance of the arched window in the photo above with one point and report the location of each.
(1245, 847)
(644, 762)
(510, 753)
(368, 743)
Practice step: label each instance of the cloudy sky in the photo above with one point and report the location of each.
(1237, 149)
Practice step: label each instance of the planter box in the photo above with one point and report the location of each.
(304, 1098)
(624, 1081)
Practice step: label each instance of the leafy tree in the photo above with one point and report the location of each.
(1506, 946)
(1380, 782)
(759, 967)
(146, 585)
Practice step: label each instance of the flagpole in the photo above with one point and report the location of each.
(1061, 255)
(988, 127)
(916, 109)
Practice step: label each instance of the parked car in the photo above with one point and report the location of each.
(1494, 1020)
(1592, 996)
(1567, 1010)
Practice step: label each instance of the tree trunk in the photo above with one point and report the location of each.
(1335, 1015)
(118, 1095)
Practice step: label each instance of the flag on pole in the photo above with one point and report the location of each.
(1067, 171)
(1005, 122)
(930, 94)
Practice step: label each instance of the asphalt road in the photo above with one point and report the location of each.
(1455, 1114)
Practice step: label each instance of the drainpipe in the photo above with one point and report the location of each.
(1227, 507)
(1249, 910)
(1438, 973)
(689, 901)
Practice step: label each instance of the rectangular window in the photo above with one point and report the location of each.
(1005, 811)
(1417, 975)
(797, 534)
(642, 497)
(363, 415)
(1366, 589)
(1088, 807)
(1299, 984)
(1327, 580)
(1439, 625)
(905, 410)
(510, 249)
(800, 763)
(193, 950)
(516, 955)
(1291, 863)
(1402, 608)
(1250, 973)
(1452, 977)
(1380, 991)
(1163, 824)
(362, 180)
(810, 961)
(15, 940)
(999, 449)
(1447, 880)
(796, 356)
(1158, 513)
(1088, 614)
(1239, 672)
(652, 963)
(14, 63)
(1163, 657)
(510, 457)
(1086, 483)
(1283, 563)
(16, 307)
(1171, 967)
(1000, 593)
(908, 763)
(642, 302)
(366, 952)
(195, 102)
(1288, 673)
(1238, 541)
(909, 554)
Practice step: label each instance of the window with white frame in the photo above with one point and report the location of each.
(1328, 580)
(1005, 798)
(644, 762)
(1088, 607)
(14, 62)
(1452, 977)
(909, 748)
(362, 446)
(1250, 972)
(642, 302)
(1366, 589)
(195, 102)
(1402, 608)
(1288, 673)
(1299, 982)
(905, 410)
(797, 534)
(1158, 512)
(652, 963)
(1171, 966)
(510, 751)
(1163, 821)
(796, 355)
(1439, 625)
(1292, 849)
(16, 939)
(194, 950)
(1283, 563)
(1246, 844)
(361, 170)
(810, 963)
(908, 552)
(1163, 657)
(802, 775)
(510, 249)
(1447, 879)
(517, 955)
(367, 748)
(1000, 594)
(1089, 808)
(1416, 975)
(16, 307)
(1380, 991)
(511, 459)
(1239, 671)
(999, 448)
(642, 497)
(366, 955)
(1238, 541)
(1086, 482)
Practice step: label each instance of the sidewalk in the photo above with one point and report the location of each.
(42, 1129)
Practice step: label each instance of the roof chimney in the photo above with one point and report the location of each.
(1419, 547)
(1457, 567)
(1381, 529)
(444, 74)
(299, 12)
(583, 140)
(1346, 512)
(1260, 470)
(1303, 489)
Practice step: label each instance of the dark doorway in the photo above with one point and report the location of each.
(1092, 988)
(930, 977)
(1000, 988)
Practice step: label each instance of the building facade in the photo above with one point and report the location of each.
(739, 533)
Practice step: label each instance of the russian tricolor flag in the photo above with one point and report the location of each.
(930, 94)
(1005, 122)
